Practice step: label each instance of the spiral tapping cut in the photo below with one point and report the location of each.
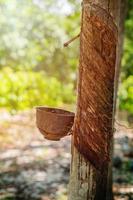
(96, 85)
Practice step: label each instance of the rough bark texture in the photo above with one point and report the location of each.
(91, 175)
(93, 122)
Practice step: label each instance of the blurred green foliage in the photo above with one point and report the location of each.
(33, 33)
(126, 88)
(127, 62)
(126, 94)
(23, 90)
(31, 53)
(35, 68)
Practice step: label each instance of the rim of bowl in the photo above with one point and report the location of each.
(61, 112)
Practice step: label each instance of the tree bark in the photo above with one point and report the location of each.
(92, 141)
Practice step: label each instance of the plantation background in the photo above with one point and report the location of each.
(35, 68)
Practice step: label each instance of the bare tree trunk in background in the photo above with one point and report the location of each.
(92, 142)
(123, 12)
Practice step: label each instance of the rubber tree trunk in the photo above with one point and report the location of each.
(92, 141)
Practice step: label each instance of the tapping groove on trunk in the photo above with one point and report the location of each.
(93, 123)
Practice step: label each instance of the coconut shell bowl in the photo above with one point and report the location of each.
(54, 123)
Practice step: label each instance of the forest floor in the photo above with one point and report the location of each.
(32, 168)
